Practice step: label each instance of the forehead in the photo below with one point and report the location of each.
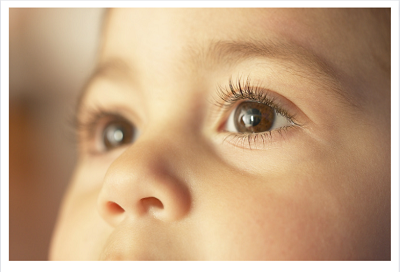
(179, 30)
(309, 27)
(336, 35)
(353, 44)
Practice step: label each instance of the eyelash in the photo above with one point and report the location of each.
(245, 91)
(87, 128)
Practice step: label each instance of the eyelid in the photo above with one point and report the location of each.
(232, 95)
(90, 123)
(260, 141)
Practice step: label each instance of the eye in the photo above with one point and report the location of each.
(255, 117)
(118, 133)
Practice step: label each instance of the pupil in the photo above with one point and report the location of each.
(118, 135)
(251, 118)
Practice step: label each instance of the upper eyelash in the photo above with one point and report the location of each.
(244, 90)
(241, 90)
(86, 127)
(90, 121)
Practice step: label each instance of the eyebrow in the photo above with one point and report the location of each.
(217, 53)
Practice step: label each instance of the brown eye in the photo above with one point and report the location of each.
(118, 133)
(255, 117)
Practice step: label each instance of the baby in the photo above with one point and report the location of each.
(233, 134)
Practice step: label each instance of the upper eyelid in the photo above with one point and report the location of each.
(96, 97)
(307, 62)
(246, 90)
(221, 51)
(112, 71)
(225, 100)
(93, 124)
(88, 121)
(89, 117)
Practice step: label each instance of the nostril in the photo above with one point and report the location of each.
(114, 208)
(152, 202)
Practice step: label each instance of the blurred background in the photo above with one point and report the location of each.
(52, 53)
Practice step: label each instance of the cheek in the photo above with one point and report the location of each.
(319, 209)
(269, 223)
(317, 212)
(80, 232)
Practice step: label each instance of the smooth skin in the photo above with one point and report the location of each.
(187, 189)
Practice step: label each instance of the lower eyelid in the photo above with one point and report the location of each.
(260, 141)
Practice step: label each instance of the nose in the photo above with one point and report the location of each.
(144, 182)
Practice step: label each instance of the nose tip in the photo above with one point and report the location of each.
(144, 188)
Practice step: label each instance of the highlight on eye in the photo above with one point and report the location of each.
(117, 133)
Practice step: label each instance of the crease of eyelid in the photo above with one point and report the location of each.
(303, 62)
(294, 59)
(113, 67)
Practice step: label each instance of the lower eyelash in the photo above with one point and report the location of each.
(247, 140)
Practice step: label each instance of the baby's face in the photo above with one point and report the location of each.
(233, 134)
